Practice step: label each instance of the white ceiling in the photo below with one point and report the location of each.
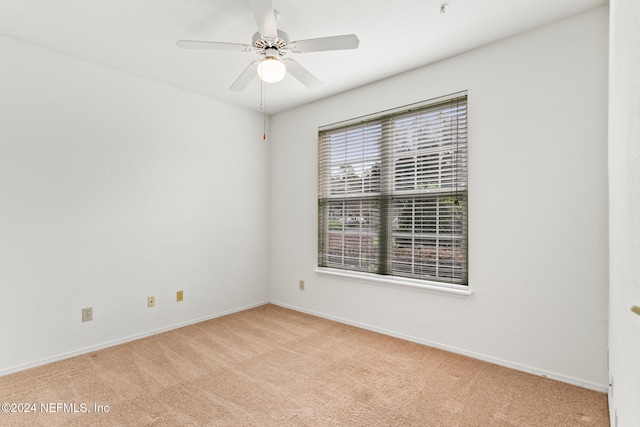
(139, 37)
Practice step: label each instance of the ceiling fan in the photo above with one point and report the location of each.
(273, 44)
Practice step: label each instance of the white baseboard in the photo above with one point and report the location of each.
(496, 361)
(513, 365)
(130, 338)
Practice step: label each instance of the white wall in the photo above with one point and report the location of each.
(624, 199)
(115, 188)
(537, 206)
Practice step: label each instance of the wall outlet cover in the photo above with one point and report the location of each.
(87, 314)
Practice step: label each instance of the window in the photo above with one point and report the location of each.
(392, 193)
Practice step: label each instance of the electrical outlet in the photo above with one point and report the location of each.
(302, 285)
(179, 296)
(87, 314)
(151, 302)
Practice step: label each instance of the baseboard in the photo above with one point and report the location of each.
(508, 364)
(496, 361)
(130, 338)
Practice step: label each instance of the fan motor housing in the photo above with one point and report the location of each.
(263, 45)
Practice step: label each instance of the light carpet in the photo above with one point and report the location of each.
(270, 366)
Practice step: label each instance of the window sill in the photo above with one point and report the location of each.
(457, 290)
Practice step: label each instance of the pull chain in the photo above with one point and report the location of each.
(263, 102)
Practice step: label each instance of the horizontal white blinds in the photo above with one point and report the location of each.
(424, 150)
(350, 160)
(392, 194)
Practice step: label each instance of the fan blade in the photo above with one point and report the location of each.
(245, 78)
(197, 44)
(301, 73)
(265, 18)
(348, 41)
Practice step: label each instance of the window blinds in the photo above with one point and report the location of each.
(392, 194)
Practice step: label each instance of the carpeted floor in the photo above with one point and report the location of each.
(270, 366)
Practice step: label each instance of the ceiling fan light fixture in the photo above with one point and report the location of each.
(272, 44)
(271, 70)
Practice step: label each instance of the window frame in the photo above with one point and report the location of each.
(390, 190)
